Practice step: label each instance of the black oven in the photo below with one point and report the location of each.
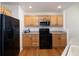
(45, 38)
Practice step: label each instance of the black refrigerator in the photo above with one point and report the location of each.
(9, 36)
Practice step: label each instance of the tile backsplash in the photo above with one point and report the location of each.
(36, 29)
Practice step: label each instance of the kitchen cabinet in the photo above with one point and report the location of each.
(5, 11)
(35, 40)
(34, 20)
(30, 21)
(63, 39)
(44, 18)
(55, 40)
(27, 42)
(59, 40)
(27, 21)
(30, 40)
(60, 20)
(57, 20)
(53, 21)
(40, 17)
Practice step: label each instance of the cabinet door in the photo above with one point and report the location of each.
(30, 20)
(40, 18)
(34, 20)
(26, 40)
(27, 20)
(7, 12)
(53, 20)
(46, 17)
(59, 40)
(56, 40)
(60, 20)
(63, 40)
(35, 40)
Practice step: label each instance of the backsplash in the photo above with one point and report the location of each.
(36, 29)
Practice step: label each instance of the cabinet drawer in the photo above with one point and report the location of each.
(26, 42)
(26, 35)
(59, 40)
(35, 41)
(35, 44)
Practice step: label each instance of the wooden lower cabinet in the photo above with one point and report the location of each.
(63, 40)
(55, 40)
(59, 40)
(27, 42)
(32, 40)
(35, 40)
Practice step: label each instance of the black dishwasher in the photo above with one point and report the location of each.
(45, 38)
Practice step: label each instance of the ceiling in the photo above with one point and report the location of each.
(42, 6)
(45, 6)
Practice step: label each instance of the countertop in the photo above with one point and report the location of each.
(54, 32)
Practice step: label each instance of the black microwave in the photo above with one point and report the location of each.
(45, 23)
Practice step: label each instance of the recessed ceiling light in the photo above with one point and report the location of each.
(30, 6)
(59, 7)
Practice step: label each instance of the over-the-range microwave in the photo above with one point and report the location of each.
(44, 23)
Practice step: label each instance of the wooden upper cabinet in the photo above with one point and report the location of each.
(34, 20)
(5, 11)
(30, 20)
(57, 20)
(53, 20)
(40, 18)
(27, 20)
(60, 20)
(44, 18)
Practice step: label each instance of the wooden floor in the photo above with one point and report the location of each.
(41, 52)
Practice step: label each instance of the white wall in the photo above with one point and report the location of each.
(0, 3)
(21, 17)
(71, 16)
